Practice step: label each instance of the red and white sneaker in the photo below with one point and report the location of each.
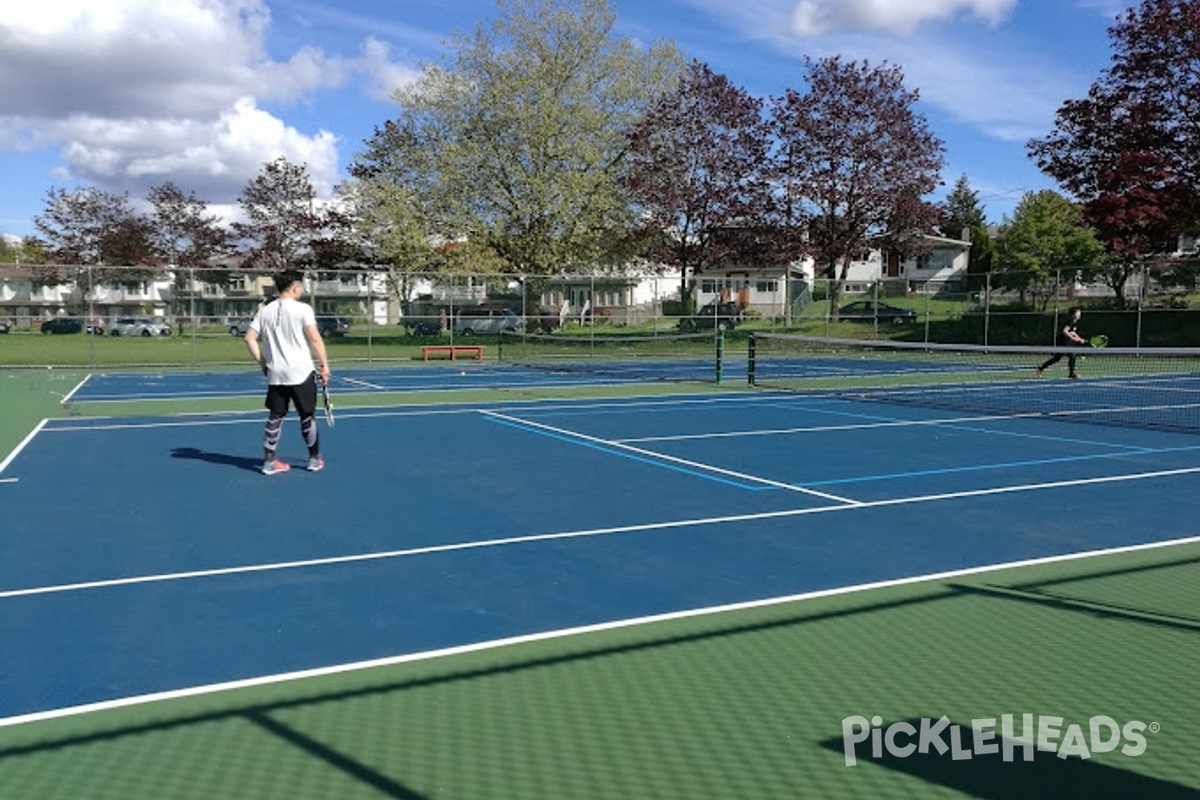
(274, 467)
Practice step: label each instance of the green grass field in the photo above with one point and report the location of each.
(738, 704)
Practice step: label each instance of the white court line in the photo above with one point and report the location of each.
(361, 383)
(849, 426)
(389, 661)
(16, 450)
(582, 534)
(670, 459)
(367, 412)
(78, 386)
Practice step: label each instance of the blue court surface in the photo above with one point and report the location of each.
(146, 556)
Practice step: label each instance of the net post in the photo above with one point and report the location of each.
(720, 353)
(750, 361)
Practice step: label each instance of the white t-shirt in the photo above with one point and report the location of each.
(280, 325)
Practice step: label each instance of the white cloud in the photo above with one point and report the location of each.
(212, 158)
(816, 17)
(134, 93)
(386, 75)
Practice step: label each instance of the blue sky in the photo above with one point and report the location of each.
(128, 94)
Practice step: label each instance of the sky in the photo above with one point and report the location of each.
(124, 95)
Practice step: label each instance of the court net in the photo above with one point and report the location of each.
(1138, 387)
(688, 357)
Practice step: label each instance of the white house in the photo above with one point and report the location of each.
(944, 262)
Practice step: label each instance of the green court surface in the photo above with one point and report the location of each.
(745, 702)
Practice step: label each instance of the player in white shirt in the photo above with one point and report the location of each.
(282, 339)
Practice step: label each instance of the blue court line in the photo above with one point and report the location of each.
(1005, 465)
(622, 454)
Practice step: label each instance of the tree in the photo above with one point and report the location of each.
(697, 172)
(23, 251)
(283, 224)
(964, 214)
(185, 234)
(516, 147)
(1130, 150)
(95, 233)
(855, 153)
(1046, 238)
(188, 238)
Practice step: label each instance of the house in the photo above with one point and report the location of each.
(31, 294)
(942, 264)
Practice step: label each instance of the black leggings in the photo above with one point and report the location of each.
(1057, 358)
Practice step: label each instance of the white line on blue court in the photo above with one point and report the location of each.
(78, 386)
(24, 443)
(357, 382)
(475, 647)
(587, 533)
(695, 465)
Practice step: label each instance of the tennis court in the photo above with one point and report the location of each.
(663, 594)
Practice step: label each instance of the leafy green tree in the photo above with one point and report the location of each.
(22, 251)
(854, 152)
(1045, 243)
(515, 147)
(698, 172)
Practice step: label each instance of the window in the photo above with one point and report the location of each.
(708, 286)
(766, 287)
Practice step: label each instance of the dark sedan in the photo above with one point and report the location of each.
(62, 325)
(722, 316)
(870, 310)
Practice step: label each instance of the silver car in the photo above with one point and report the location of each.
(138, 326)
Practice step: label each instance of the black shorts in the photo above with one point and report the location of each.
(304, 395)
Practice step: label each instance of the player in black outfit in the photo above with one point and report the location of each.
(1068, 336)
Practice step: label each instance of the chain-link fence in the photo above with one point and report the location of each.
(186, 317)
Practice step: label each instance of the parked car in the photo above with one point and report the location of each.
(4, 326)
(482, 320)
(95, 325)
(722, 316)
(426, 327)
(870, 310)
(239, 326)
(333, 326)
(138, 326)
(62, 325)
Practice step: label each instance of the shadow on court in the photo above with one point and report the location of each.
(222, 459)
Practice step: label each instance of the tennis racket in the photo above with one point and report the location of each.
(325, 401)
(1099, 340)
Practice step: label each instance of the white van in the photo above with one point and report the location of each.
(483, 320)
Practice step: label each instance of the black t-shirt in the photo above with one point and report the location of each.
(1073, 327)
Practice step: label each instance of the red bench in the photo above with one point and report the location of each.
(452, 350)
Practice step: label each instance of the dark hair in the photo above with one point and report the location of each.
(285, 279)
